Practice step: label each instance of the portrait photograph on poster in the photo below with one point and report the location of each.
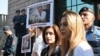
(26, 44)
(40, 14)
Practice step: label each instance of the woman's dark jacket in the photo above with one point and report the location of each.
(56, 51)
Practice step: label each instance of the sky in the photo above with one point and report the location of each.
(4, 7)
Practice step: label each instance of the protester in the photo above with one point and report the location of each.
(32, 32)
(52, 37)
(23, 22)
(38, 44)
(92, 31)
(22, 30)
(31, 39)
(10, 45)
(74, 41)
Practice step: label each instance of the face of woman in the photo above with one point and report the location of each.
(64, 27)
(50, 36)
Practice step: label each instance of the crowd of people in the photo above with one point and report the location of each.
(76, 35)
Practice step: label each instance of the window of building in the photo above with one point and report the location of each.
(76, 5)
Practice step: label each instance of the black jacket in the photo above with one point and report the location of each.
(56, 51)
(9, 47)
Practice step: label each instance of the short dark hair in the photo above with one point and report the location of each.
(57, 33)
(17, 11)
(86, 9)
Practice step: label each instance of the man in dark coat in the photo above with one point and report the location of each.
(9, 48)
(16, 21)
(23, 22)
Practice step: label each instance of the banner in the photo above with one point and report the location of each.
(26, 44)
(40, 14)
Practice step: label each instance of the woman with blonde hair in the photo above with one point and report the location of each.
(74, 41)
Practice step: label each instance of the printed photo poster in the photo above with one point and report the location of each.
(26, 44)
(40, 14)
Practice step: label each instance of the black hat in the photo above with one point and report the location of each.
(5, 28)
(86, 9)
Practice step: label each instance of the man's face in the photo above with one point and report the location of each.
(87, 17)
(40, 9)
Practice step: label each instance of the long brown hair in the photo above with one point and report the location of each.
(57, 32)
